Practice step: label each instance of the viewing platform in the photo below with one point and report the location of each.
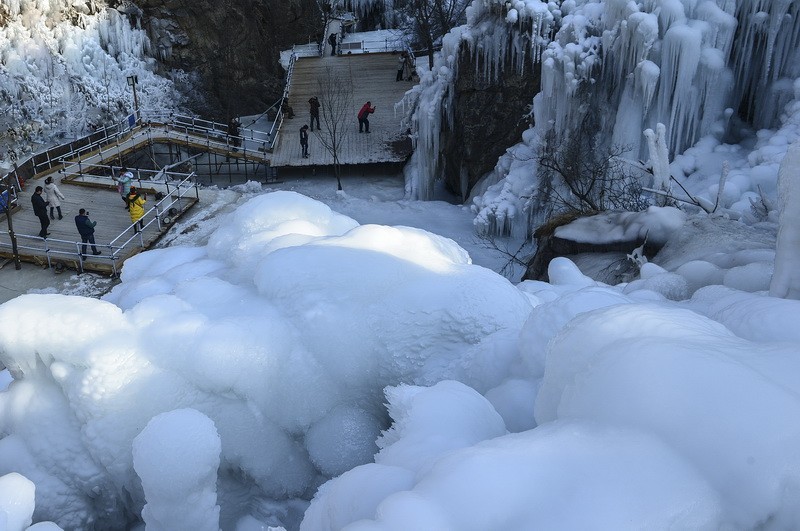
(373, 79)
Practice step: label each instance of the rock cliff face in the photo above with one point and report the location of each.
(229, 47)
(489, 116)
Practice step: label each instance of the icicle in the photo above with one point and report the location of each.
(659, 159)
(647, 74)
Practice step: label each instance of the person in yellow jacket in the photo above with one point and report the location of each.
(136, 203)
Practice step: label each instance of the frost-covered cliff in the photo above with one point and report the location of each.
(64, 68)
(701, 67)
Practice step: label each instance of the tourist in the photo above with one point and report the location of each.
(40, 209)
(136, 203)
(332, 42)
(363, 117)
(124, 184)
(401, 66)
(53, 195)
(304, 140)
(233, 133)
(86, 230)
(288, 111)
(313, 105)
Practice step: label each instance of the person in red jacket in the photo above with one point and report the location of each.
(363, 117)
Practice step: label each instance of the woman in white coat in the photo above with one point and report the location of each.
(54, 196)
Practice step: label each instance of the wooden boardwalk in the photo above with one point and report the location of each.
(373, 79)
(106, 207)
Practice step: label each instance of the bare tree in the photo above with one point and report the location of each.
(429, 20)
(581, 174)
(336, 110)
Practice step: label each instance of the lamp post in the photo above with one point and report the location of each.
(132, 80)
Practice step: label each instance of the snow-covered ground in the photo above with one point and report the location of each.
(293, 356)
(358, 349)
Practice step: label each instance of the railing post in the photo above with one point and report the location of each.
(80, 255)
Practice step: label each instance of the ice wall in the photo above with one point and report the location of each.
(63, 70)
(681, 63)
(496, 36)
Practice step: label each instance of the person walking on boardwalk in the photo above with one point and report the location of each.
(363, 117)
(40, 209)
(304, 140)
(124, 184)
(233, 133)
(86, 230)
(408, 68)
(313, 105)
(53, 195)
(401, 66)
(136, 203)
(288, 111)
(332, 42)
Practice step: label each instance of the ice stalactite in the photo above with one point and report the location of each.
(431, 102)
(681, 63)
(786, 278)
(765, 52)
(498, 35)
(659, 160)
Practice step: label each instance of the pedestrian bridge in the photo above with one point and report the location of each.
(87, 166)
(366, 64)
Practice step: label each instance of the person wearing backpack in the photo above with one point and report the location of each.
(136, 203)
(124, 184)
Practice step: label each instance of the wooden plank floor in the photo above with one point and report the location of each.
(105, 206)
(373, 78)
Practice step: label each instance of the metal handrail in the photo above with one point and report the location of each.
(213, 133)
(367, 46)
(51, 247)
(56, 155)
(276, 125)
(171, 198)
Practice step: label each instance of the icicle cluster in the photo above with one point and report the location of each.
(681, 63)
(63, 69)
(497, 35)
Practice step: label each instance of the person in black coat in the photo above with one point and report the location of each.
(332, 42)
(304, 140)
(313, 105)
(233, 132)
(86, 230)
(40, 209)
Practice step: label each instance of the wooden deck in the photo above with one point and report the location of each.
(373, 79)
(106, 207)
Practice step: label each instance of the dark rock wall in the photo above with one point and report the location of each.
(490, 115)
(230, 47)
